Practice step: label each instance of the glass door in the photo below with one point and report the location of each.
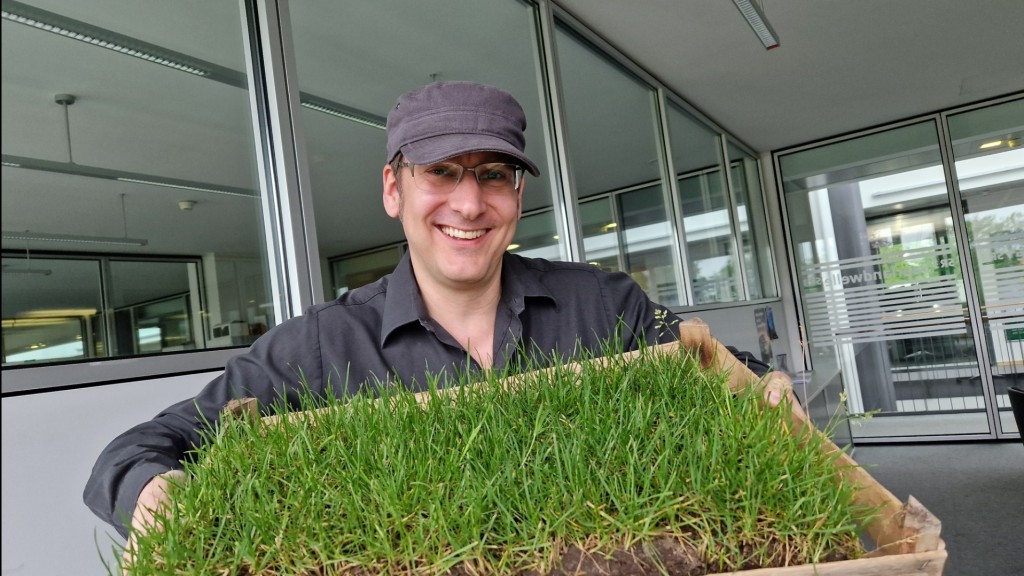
(989, 169)
(909, 251)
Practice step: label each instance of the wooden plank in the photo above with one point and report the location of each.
(919, 564)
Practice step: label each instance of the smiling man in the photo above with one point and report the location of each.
(457, 302)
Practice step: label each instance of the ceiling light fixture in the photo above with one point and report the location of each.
(77, 30)
(755, 17)
(992, 144)
(29, 235)
(180, 186)
(34, 271)
(342, 111)
(121, 176)
(74, 239)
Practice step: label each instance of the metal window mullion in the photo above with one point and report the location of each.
(734, 226)
(107, 306)
(794, 286)
(769, 229)
(974, 311)
(566, 202)
(287, 207)
(674, 204)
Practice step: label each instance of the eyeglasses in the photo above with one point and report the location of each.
(443, 177)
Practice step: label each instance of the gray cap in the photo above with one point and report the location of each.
(446, 119)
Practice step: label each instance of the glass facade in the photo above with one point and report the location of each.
(181, 175)
(899, 265)
(130, 177)
(171, 179)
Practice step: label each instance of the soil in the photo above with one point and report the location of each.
(670, 556)
(662, 556)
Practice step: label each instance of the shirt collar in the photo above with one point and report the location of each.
(519, 282)
(404, 304)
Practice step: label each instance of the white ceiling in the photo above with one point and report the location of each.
(842, 65)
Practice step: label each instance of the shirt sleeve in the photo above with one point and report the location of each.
(132, 459)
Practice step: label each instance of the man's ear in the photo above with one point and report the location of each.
(392, 196)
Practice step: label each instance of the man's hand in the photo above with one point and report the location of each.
(152, 499)
(778, 385)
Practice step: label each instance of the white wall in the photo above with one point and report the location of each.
(50, 441)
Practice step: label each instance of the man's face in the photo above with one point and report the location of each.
(456, 239)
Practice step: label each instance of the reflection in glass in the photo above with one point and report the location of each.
(120, 147)
(105, 308)
(647, 239)
(52, 315)
(601, 234)
(354, 271)
(156, 307)
(534, 239)
(707, 227)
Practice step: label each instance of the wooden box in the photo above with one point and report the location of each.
(904, 537)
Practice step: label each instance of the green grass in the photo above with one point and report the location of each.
(496, 480)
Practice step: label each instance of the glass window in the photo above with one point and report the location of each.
(703, 200)
(613, 138)
(534, 239)
(361, 269)
(646, 239)
(127, 136)
(52, 309)
(601, 234)
(349, 79)
(759, 264)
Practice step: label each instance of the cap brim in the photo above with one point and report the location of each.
(438, 148)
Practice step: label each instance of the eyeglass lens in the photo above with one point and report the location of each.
(444, 176)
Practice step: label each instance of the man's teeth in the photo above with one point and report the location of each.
(463, 234)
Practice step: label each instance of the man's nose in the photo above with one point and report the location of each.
(467, 198)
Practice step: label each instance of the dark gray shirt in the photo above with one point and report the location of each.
(381, 333)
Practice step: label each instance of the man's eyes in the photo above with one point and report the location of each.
(442, 171)
(498, 174)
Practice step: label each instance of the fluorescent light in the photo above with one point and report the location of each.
(122, 176)
(758, 23)
(342, 111)
(513, 247)
(36, 271)
(59, 313)
(246, 194)
(992, 144)
(72, 238)
(96, 36)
